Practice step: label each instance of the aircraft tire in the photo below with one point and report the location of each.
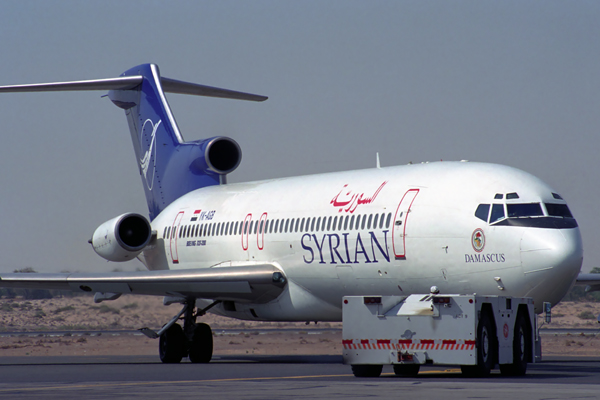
(486, 349)
(171, 345)
(406, 369)
(201, 346)
(367, 371)
(521, 348)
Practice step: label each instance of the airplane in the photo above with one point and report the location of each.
(289, 249)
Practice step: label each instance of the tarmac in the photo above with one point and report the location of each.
(277, 377)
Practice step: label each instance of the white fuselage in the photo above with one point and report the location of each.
(388, 231)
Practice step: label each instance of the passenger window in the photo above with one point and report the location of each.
(318, 223)
(302, 225)
(329, 223)
(482, 212)
(497, 213)
(524, 210)
(375, 221)
(340, 224)
(381, 220)
(297, 224)
(369, 222)
(287, 224)
(256, 226)
(334, 226)
(262, 223)
(388, 220)
(346, 223)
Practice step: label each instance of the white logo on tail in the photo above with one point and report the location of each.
(149, 152)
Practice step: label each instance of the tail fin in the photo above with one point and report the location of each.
(169, 166)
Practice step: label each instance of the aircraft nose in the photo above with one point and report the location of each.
(551, 260)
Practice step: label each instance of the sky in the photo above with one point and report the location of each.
(511, 82)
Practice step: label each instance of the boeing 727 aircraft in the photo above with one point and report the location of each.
(290, 249)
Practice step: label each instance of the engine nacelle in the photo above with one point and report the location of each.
(122, 238)
(219, 155)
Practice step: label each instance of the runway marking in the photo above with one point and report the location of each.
(264, 378)
(442, 371)
(100, 385)
(435, 371)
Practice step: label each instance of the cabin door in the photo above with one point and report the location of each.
(173, 240)
(400, 221)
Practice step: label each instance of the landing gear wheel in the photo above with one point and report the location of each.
(521, 349)
(367, 371)
(406, 369)
(486, 347)
(201, 346)
(171, 346)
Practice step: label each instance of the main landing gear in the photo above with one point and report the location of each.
(194, 340)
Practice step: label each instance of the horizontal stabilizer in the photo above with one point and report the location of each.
(252, 283)
(122, 83)
(130, 82)
(175, 86)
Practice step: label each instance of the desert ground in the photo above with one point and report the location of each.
(79, 315)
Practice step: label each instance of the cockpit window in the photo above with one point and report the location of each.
(558, 210)
(512, 195)
(557, 196)
(524, 210)
(499, 196)
(482, 212)
(497, 213)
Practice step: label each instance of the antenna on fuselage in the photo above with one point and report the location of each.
(377, 165)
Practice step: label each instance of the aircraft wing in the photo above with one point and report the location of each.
(590, 281)
(252, 283)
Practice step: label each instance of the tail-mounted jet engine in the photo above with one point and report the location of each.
(122, 238)
(221, 155)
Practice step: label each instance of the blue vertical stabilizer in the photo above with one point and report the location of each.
(169, 166)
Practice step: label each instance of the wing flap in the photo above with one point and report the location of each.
(252, 283)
